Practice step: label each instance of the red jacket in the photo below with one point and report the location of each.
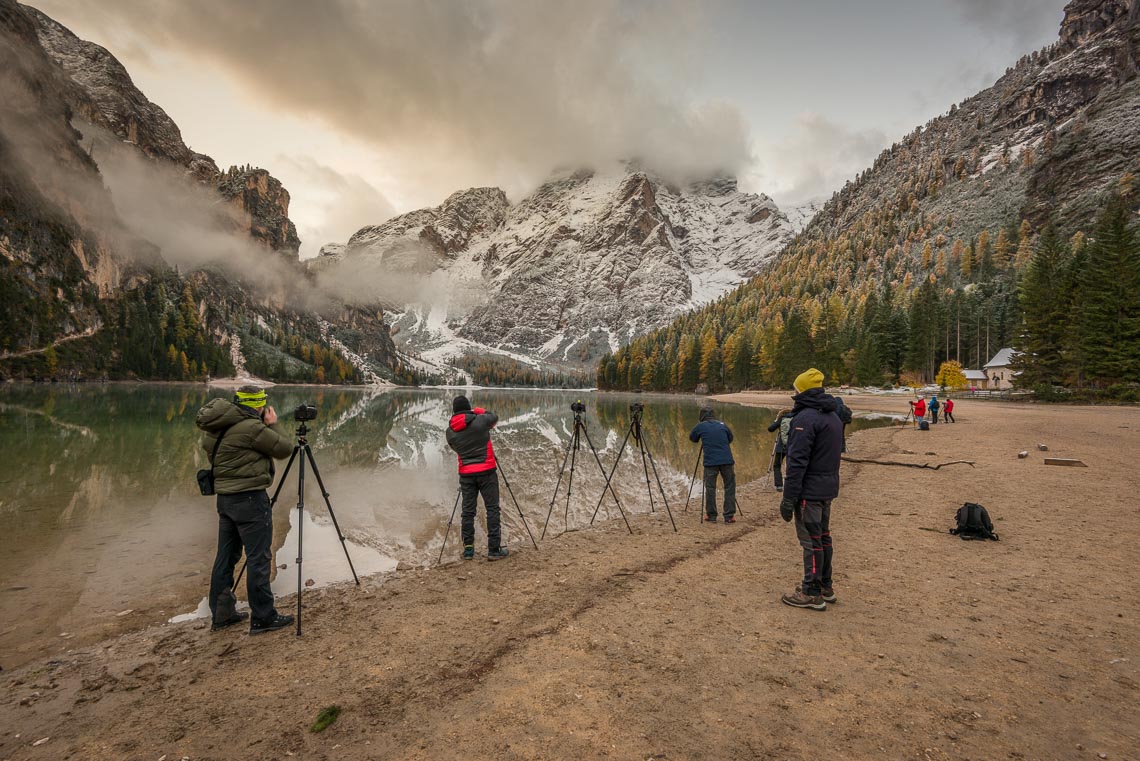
(920, 408)
(948, 406)
(469, 434)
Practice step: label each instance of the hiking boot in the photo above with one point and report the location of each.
(799, 600)
(710, 518)
(730, 519)
(236, 618)
(272, 625)
(826, 593)
(469, 552)
(498, 554)
(779, 488)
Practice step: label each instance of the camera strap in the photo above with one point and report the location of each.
(218, 443)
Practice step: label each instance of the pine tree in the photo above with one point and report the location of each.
(1110, 299)
(1045, 304)
(710, 359)
(793, 352)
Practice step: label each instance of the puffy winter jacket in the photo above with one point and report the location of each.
(245, 456)
(469, 434)
(716, 437)
(814, 448)
(920, 408)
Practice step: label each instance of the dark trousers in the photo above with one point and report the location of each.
(948, 417)
(728, 474)
(245, 521)
(487, 484)
(812, 529)
(933, 417)
(778, 469)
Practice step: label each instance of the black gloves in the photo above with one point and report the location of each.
(787, 508)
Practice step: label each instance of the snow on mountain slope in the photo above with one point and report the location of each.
(579, 267)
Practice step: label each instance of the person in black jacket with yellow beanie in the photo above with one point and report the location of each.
(811, 482)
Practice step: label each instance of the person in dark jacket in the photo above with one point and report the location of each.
(716, 437)
(782, 425)
(469, 434)
(811, 483)
(243, 469)
(934, 406)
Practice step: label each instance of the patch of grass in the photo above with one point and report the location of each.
(325, 718)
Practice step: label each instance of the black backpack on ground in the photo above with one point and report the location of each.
(974, 523)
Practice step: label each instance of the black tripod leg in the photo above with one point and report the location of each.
(521, 515)
(272, 502)
(561, 472)
(570, 487)
(661, 489)
(602, 469)
(645, 467)
(692, 481)
(449, 522)
(300, 535)
(609, 480)
(325, 494)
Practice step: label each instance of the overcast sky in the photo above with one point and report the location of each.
(368, 108)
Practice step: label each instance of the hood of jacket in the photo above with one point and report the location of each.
(707, 414)
(459, 421)
(816, 399)
(221, 413)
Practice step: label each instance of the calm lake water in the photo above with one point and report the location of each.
(103, 527)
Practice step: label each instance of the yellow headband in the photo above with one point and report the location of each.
(254, 399)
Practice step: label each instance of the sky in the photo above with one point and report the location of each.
(365, 109)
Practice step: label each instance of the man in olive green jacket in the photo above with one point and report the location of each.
(243, 469)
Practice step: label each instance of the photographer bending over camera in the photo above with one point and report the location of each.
(243, 468)
(716, 437)
(469, 434)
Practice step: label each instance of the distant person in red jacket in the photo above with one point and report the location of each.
(919, 409)
(469, 434)
(948, 412)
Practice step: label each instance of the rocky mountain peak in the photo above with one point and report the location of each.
(1086, 19)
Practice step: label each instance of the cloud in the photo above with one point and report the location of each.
(460, 93)
(340, 203)
(816, 159)
(1027, 23)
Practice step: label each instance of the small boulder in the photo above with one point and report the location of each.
(1042, 448)
(1022, 455)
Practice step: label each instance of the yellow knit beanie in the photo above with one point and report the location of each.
(809, 379)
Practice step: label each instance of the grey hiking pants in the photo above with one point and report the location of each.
(728, 473)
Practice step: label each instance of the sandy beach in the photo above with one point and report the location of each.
(671, 645)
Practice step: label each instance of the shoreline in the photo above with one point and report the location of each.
(606, 644)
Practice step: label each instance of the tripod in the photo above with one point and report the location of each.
(572, 456)
(646, 463)
(302, 448)
(459, 493)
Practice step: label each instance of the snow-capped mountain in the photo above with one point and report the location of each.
(579, 267)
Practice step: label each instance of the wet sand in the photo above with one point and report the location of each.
(663, 645)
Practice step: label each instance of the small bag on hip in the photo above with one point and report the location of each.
(206, 475)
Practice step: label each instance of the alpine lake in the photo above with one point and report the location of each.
(104, 529)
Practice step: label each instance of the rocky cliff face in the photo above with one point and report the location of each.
(105, 95)
(587, 261)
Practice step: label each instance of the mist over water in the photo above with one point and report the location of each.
(101, 512)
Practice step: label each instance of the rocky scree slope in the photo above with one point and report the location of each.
(583, 264)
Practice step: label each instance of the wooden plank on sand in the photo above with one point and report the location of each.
(1064, 461)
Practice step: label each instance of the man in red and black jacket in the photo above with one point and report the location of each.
(469, 434)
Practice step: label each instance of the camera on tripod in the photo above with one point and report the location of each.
(305, 412)
(637, 407)
(577, 407)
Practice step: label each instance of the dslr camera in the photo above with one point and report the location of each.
(577, 407)
(637, 407)
(305, 412)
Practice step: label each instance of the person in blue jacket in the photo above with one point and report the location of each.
(716, 437)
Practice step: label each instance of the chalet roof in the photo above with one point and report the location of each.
(974, 375)
(1001, 359)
